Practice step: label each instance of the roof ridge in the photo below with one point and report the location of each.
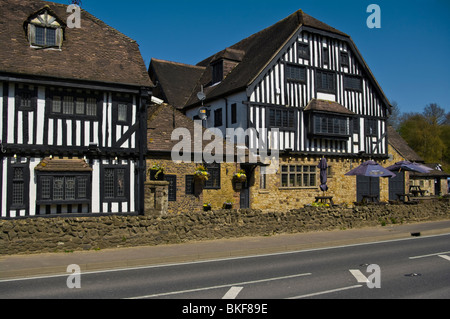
(178, 63)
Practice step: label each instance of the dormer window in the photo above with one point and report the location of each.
(45, 30)
(217, 72)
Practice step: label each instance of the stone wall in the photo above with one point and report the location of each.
(65, 234)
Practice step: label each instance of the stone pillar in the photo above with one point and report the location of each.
(156, 198)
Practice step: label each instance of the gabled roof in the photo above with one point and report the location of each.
(258, 51)
(95, 52)
(174, 82)
(400, 145)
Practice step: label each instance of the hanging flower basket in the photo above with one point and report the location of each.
(201, 174)
(228, 205)
(156, 172)
(240, 177)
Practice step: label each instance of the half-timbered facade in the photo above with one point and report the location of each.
(73, 106)
(300, 87)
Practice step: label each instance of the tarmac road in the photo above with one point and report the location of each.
(326, 265)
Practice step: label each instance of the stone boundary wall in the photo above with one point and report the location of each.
(67, 234)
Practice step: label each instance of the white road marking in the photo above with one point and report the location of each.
(430, 255)
(445, 257)
(233, 293)
(220, 286)
(359, 276)
(326, 292)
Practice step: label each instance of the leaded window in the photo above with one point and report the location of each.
(303, 51)
(26, 97)
(295, 73)
(67, 188)
(122, 115)
(352, 83)
(280, 118)
(298, 176)
(115, 183)
(18, 187)
(109, 183)
(69, 103)
(326, 82)
(214, 178)
(331, 125)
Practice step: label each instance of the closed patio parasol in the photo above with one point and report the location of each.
(323, 166)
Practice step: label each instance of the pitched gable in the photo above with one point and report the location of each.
(94, 52)
(174, 82)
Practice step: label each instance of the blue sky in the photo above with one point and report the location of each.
(409, 55)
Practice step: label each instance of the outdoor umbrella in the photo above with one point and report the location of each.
(409, 166)
(323, 166)
(370, 169)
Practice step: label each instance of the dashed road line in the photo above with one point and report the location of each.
(233, 293)
(359, 276)
(326, 292)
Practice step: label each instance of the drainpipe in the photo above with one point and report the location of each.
(144, 96)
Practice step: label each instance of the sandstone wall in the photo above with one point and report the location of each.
(65, 234)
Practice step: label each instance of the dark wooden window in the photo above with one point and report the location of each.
(26, 97)
(190, 185)
(326, 82)
(63, 188)
(325, 56)
(18, 187)
(356, 125)
(115, 183)
(233, 113)
(284, 119)
(214, 179)
(295, 73)
(122, 107)
(344, 59)
(70, 103)
(218, 118)
(217, 72)
(371, 127)
(331, 125)
(122, 112)
(352, 83)
(303, 51)
(298, 176)
(172, 179)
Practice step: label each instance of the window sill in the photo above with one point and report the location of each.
(295, 188)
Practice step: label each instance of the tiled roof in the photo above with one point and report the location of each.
(252, 53)
(163, 120)
(95, 52)
(400, 145)
(63, 165)
(176, 81)
(327, 106)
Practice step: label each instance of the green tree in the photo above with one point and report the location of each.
(424, 137)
